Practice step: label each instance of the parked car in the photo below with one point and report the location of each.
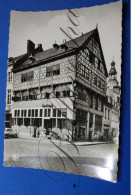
(52, 135)
(10, 133)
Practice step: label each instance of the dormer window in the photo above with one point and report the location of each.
(56, 46)
(64, 46)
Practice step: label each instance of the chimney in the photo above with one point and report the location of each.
(40, 49)
(30, 47)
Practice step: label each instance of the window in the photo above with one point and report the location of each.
(96, 103)
(53, 70)
(47, 95)
(9, 77)
(20, 121)
(92, 58)
(32, 113)
(56, 72)
(54, 112)
(15, 113)
(64, 112)
(108, 114)
(26, 121)
(18, 112)
(59, 112)
(36, 112)
(66, 93)
(41, 112)
(29, 113)
(57, 94)
(45, 113)
(25, 113)
(22, 112)
(105, 112)
(29, 76)
(48, 112)
(98, 64)
(9, 96)
(99, 83)
(95, 80)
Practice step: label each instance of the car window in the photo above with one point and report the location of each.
(9, 130)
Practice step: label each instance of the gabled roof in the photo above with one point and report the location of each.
(23, 61)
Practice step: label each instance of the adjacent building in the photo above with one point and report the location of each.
(113, 92)
(8, 114)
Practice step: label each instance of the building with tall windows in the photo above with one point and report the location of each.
(62, 88)
(8, 114)
(113, 92)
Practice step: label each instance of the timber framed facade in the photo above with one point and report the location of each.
(62, 89)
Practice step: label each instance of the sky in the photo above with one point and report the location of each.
(44, 27)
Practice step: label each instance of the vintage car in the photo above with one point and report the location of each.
(10, 133)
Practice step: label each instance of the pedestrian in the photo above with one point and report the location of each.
(38, 132)
(90, 134)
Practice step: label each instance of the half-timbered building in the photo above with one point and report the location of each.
(62, 88)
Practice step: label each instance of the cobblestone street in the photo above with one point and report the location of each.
(98, 161)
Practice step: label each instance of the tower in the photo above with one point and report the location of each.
(112, 79)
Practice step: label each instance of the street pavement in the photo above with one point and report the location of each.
(99, 160)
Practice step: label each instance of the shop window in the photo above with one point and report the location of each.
(59, 123)
(26, 121)
(20, 121)
(53, 123)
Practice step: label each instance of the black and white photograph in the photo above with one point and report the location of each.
(63, 91)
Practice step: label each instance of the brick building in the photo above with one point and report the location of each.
(62, 88)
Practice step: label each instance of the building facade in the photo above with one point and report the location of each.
(113, 92)
(8, 114)
(62, 89)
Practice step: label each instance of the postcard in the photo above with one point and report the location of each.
(63, 91)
